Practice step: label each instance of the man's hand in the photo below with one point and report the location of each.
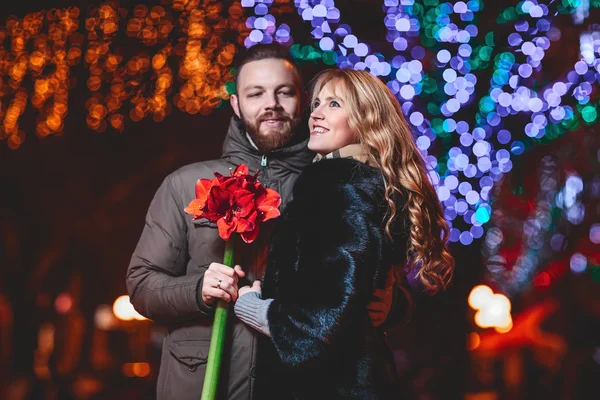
(221, 282)
(256, 287)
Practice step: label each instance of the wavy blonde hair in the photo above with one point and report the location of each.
(376, 116)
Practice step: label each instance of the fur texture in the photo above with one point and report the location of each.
(328, 254)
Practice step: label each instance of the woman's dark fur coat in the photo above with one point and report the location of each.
(328, 255)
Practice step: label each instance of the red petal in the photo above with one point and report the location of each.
(231, 184)
(268, 197)
(267, 215)
(225, 228)
(202, 189)
(241, 169)
(219, 200)
(247, 224)
(244, 202)
(267, 203)
(250, 236)
(195, 208)
(246, 185)
(211, 216)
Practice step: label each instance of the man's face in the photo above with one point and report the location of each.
(268, 102)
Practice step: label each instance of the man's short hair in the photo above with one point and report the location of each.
(264, 52)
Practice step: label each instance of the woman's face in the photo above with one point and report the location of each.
(328, 123)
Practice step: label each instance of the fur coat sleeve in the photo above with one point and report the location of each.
(328, 254)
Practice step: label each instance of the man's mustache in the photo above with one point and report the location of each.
(281, 117)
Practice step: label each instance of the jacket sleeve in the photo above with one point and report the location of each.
(157, 283)
(338, 240)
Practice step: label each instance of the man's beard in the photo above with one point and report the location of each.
(270, 139)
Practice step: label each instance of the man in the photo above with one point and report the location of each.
(173, 277)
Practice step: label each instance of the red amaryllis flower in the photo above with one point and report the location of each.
(237, 203)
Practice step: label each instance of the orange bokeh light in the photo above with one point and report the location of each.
(46, 45)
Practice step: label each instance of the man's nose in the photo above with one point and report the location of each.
(272, 102)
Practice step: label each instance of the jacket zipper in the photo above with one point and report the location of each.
(264, 171)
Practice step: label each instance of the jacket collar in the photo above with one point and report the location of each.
(355, 151)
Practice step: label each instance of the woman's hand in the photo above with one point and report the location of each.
(256, 287)
(380, 306)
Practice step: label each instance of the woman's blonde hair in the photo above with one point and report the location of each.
(376, 116)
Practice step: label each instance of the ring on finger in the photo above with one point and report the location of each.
(219, 283)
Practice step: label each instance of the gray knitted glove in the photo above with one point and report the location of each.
(252, 311)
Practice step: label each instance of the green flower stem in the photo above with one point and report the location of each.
(217, 340)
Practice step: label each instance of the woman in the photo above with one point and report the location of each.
(365, 205)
